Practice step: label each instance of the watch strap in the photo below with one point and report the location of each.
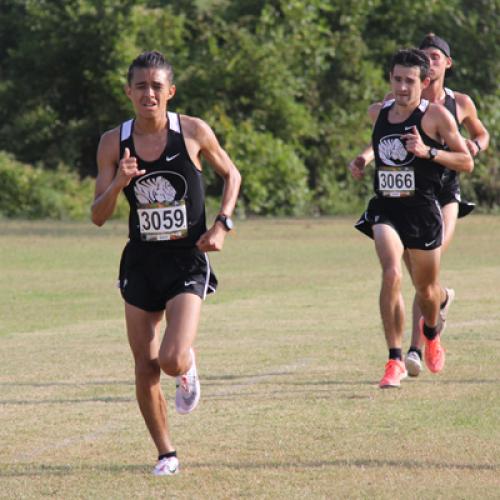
(225, 220)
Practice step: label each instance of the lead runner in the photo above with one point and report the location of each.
(155, 159)
(408, 140)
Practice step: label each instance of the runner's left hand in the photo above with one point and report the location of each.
(212, 240)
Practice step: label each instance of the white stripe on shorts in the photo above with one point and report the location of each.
(442, 220)
(207, 277)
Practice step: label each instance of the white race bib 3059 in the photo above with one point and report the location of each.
(163, 223)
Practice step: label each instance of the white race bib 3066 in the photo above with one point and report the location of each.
(396, 182)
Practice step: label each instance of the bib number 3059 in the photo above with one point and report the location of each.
(165, 223)
(396, 182)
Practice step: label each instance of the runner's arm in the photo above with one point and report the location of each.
(112, 176)
(439, 124)
(479, 138)
(357, 166)
(219, 160)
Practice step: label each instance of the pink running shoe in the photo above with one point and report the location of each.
(395, 371)
(434, 354)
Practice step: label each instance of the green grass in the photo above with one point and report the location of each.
(290, 351)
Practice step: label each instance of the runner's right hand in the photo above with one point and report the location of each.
(357, 167)
(127, 169)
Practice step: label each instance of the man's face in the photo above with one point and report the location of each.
(149, 91)
(406, 85)
(439, 63)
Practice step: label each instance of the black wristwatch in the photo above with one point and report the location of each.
(432, 153)
(226, 221)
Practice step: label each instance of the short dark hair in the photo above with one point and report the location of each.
(151, 59)
(412, 57)
(432, 40)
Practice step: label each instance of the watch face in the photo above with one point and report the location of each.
(227, 221)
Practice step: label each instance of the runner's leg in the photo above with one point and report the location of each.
(390, 250)
(183, 316)
(144, 340)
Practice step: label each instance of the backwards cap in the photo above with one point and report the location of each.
(432, 40)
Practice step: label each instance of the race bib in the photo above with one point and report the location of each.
(396, 182)
(163, 223)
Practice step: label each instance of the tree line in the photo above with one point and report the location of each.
(284, 84)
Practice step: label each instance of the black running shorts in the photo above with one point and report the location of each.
(150, 274)
(419, 227)
(450, 193)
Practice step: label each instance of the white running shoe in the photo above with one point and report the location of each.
(443, 313)
(188, 390)
(413, 364)
(166, 467)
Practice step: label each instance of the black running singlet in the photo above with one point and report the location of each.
(399, 175)
(450, 103)
(167, 203)
(451, 176)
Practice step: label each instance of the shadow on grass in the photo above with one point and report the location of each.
(65, 401)
(35, 469)
(360, 463)
(66, 384)
(373, 382)
(29, 469)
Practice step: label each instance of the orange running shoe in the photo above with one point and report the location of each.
(395, 371)
(434, 354)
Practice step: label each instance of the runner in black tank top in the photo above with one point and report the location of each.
(164, 271)
(404, 217)
(463, 110)
(450, 190)
(402, 178)
(453, 206)
(167, 204)
(167, 218)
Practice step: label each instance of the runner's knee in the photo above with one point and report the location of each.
(147, 370)
(173, 363)
(392, 277)
(426, 292)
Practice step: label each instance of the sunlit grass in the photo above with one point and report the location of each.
(290, 351)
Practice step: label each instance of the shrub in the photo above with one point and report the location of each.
(35, 193)
(274, 177)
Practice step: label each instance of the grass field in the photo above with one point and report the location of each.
(290, 351)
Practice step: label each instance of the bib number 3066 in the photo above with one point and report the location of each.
(165, 223)
(396, 182)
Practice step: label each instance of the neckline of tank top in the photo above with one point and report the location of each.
(164, 152)
(424, 104)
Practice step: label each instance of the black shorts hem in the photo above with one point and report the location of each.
(465, 208)
(142, 306)
(419, 227)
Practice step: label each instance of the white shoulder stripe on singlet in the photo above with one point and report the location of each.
(126, 130)
(449, 92)
(173, 122)
(424, 104)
